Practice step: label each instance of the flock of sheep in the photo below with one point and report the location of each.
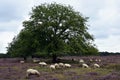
(59, 66)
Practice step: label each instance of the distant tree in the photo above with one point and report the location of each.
(53, 29)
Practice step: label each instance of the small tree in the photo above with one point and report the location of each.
(55, 29)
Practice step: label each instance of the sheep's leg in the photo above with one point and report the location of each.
(27, 76)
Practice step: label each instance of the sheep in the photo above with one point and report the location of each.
(43, 63)
(32, 72)
(52, 67)
(35, 60)
(73, 59)
(85, 65)
(96, 65)
(91, 60)
(81, 61)
(57, 65)
(99, 60)
(61, 65)
(22, 62)
(67, 65)
(96, 60)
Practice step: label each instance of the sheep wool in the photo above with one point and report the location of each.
(67, 65)
(81, 61)
(35, 60)
(22, 62)
(61, 65)
(96, 65)
(52, 66)
(32, 72)
(42, 63)
(85, 65)
(57, 65)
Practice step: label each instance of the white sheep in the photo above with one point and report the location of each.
(43, 63)
(96, 60)
(61, 65)
(85, 65)
(52, 67)
(36, 60)
(32, 72)
(91, 60)
(99, 60)
(57, 65)
(22, 62)
(96, 65)
(81, 61)
(67, 65)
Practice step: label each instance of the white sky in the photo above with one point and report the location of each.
(104, 17)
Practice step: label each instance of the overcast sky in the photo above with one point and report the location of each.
(104, 17)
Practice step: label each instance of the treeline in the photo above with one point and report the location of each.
(108, 53)
(42, 56)
(4, 55)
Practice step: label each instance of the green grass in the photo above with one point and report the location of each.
(113, 66)
(60, 73)
(68, 73)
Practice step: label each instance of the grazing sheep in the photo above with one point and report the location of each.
(85, 65)
(96, 65)
(22, 62)
(61, 65)
(99, 60)
(32, 72)
(36, 61)
(91, 60)
(67, 65)
(96, 60)
(57, 65)
(73, 59)
(43, 63)
(52, 67)
(81, 61)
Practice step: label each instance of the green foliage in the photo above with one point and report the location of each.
(53, 29)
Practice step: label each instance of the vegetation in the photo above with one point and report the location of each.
(12, 69)
(53, 30)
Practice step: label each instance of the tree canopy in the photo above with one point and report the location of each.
(53, 29)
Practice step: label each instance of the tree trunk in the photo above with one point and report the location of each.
(54, 58)
(25, 58)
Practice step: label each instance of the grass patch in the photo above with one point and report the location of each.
(114, 67)
(83, 71)
(59, 76)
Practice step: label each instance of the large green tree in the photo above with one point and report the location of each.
(53, 29)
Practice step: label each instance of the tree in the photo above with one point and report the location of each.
(55, 29)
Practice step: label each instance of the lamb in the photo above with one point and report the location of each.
(85, 65)
(32, 72)
(43, 63)
(67, 65)
(96, 65)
